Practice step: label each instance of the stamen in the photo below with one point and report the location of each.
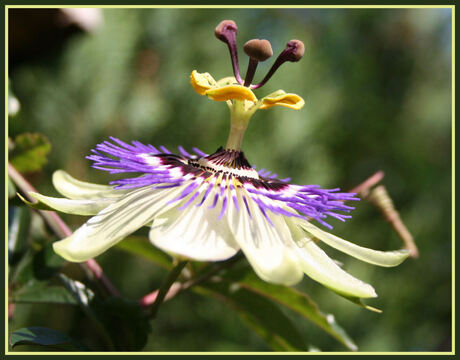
(226, 32)
(293, 52)
(257, 50)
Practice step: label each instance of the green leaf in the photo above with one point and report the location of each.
(46, 263)
(294, 300)
(141, 246)
(359, 302)
(123, 324)
(29, 152)
(84, 297)
(41, 292)
(260, 314)
(126, 321)
(46, 337)
(41, 264)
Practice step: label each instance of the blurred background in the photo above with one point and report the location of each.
(377, 86)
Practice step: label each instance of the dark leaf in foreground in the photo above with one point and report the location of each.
(46, 337)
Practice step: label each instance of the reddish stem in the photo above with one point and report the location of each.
(147, 300)
(365, 186)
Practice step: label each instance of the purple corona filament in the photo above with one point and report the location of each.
(198, 175)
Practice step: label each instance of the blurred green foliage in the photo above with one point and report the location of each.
(377, 86)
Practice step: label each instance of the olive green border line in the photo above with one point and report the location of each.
(88, 4)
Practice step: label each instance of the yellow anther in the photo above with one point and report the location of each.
(202, 82)
(292, 101)
(231, 92)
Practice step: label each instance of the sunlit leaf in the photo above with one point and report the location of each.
(359, 301)
(260, 314)
(29, 152)
(46, 337)
(293, 299)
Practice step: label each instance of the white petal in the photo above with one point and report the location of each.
(376, 257)
(323, 269)
(114, 223)
(267, 247)
(77, 207)
(75, 189)
(194, 232)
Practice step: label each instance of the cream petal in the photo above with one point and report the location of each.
(376, 257)
(115, 222)
(320, 267)
(75, 189)
(195, 232)
(267, 247)
(77, 207)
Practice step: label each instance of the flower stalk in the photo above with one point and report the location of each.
(239, 120)
(166, 286)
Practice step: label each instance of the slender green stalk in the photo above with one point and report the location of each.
(167, 283)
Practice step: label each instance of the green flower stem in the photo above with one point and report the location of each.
(166, 286)
(239, 120)
(60, 228)
(215, 269)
